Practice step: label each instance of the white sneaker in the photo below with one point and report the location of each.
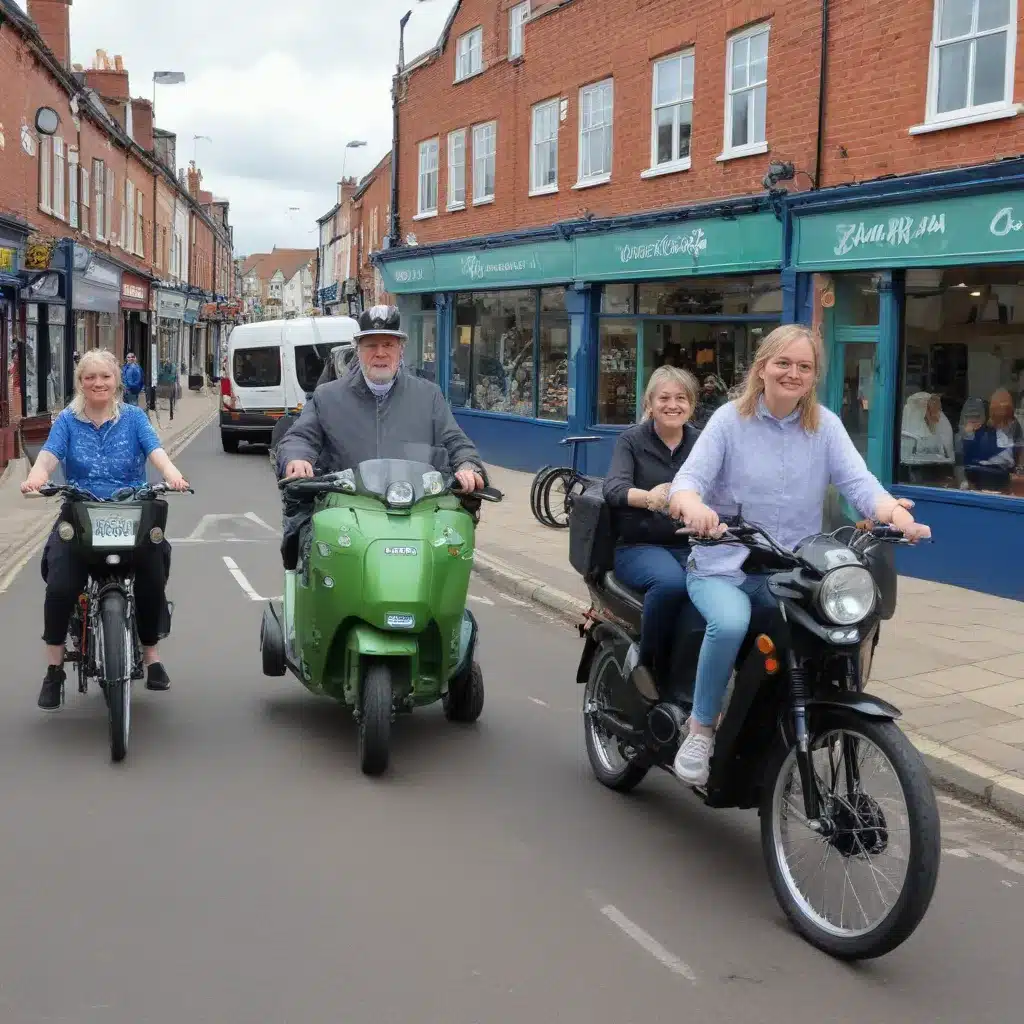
(693, 759)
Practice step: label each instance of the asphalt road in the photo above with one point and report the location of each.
(238, 868)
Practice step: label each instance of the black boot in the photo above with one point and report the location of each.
(51, 696)
(157, 677)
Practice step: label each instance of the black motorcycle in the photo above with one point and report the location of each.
(849, 822)
(104, 641)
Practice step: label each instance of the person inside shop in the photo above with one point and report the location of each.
(926, 440)
(993, 448)
(649, 555)
(343, 423)
(132, 379)
(102, 445)
(712, 397)
(772, 451)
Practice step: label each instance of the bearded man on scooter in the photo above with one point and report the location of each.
(373, 411)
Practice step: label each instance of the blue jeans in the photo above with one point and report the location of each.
(726, 610)
(661, 574)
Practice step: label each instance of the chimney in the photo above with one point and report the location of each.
(142, 124)
(195, 179)
(53, 19)
(110, 82)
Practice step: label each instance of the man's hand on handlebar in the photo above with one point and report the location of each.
(298, 469)
(469, 479)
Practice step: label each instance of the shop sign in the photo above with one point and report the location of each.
(39, 252)
(8, 260)
(965, 229)
(133, 292)
(712, 245)
(103, 274)
(170, 305)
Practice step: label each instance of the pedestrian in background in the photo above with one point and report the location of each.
(131, 377)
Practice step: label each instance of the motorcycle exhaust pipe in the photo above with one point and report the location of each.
(617, 727)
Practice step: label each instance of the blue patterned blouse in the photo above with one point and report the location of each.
(103, 459)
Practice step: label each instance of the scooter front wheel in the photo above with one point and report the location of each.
(375, 720)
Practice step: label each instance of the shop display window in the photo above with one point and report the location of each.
(961, 416)
(419, 321)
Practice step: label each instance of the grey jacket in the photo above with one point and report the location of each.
(344, 424)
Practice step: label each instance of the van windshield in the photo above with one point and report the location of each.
(257, 367)
(309, 364)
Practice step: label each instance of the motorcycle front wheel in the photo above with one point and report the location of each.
(116, 666)
(859, 890)
(375, 720)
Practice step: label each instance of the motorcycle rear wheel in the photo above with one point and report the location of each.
(375, 720)
(866, 830)
(610, 765)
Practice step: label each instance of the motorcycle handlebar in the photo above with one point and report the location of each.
(324, 485)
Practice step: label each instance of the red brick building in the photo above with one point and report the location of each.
(90, 219)
(579, 206)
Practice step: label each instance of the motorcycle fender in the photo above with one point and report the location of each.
(365, 641)
(468, 630)
(859, 703)
(587, 658)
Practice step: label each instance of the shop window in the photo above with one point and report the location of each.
(616, 377)
(672, 112)
(747, 93)
(712, 296)
(106, 337)
(961, 421)
(618, 298)
(857, 303)
(972, 58)
(553, 356)
(419, 321)
(493, 352)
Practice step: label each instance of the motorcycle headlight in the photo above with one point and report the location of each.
(433, 483)
(66, 531)
(399, 494)
(847, 595)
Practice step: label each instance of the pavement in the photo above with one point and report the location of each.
(238, 869)
(24, 524)
(951, 659)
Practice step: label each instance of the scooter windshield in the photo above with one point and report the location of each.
(399, 482)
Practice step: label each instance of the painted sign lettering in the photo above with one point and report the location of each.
(894, 232)
(1003, 223)
(693, 243)
(476, 269)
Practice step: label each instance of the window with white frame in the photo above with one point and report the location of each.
(109, 205)
(972, 58)
(140, 225)
(128, 217)
(45, 174)
(469, 54)
(516, 19)
(73, 188)
(57, 203)
(457, 170)
(485, 138)
(544, 148)
(596, 133)
(672, 112)
(747, 92)
(99, 207)
(85, 201)
(427, 200)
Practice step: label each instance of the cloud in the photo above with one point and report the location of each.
(280, 87)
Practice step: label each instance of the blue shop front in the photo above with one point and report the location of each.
(918, 284)
(557, 331)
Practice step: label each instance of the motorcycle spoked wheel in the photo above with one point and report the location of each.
(375, 720)
(866, 833)
(116, 667)
(612, 765)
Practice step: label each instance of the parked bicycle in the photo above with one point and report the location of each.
(555, 487)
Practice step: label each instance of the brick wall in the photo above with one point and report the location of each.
(877, 91)
(201, 271)
(374, 211)
(569, 48)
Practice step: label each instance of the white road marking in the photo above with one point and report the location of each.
(957, 853)
(1016, 866)
(240, 579)
(259, 522)
(32, 550)
(477, 597)
(515, 600)
(537, 700)
(649, 943)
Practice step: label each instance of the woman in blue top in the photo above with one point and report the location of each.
(774, 451)
(102, 446)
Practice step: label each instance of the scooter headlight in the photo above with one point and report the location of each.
(433, 483)
(399, 494)
(847, 595)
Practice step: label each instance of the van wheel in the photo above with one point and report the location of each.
(229, 443)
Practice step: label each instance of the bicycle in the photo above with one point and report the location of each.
(569, 480)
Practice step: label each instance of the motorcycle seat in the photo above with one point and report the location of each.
(633, 599)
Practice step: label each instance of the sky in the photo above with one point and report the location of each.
(279, 86)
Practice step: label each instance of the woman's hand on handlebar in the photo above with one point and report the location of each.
(34, 481)
(696, 516)
(298, 469)
(175, 481)
(903, 521)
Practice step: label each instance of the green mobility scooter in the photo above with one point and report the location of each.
(374, 614)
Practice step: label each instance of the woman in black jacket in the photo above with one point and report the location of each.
(649, 556)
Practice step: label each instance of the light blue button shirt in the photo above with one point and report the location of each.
(778, 472)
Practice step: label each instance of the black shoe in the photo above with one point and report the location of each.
(51, 696)
(157, 677)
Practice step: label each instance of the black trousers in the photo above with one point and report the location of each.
(66, 574)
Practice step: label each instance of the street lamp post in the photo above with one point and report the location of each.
(165, 78)
(354, 144)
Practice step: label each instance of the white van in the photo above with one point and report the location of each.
(272, 368)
